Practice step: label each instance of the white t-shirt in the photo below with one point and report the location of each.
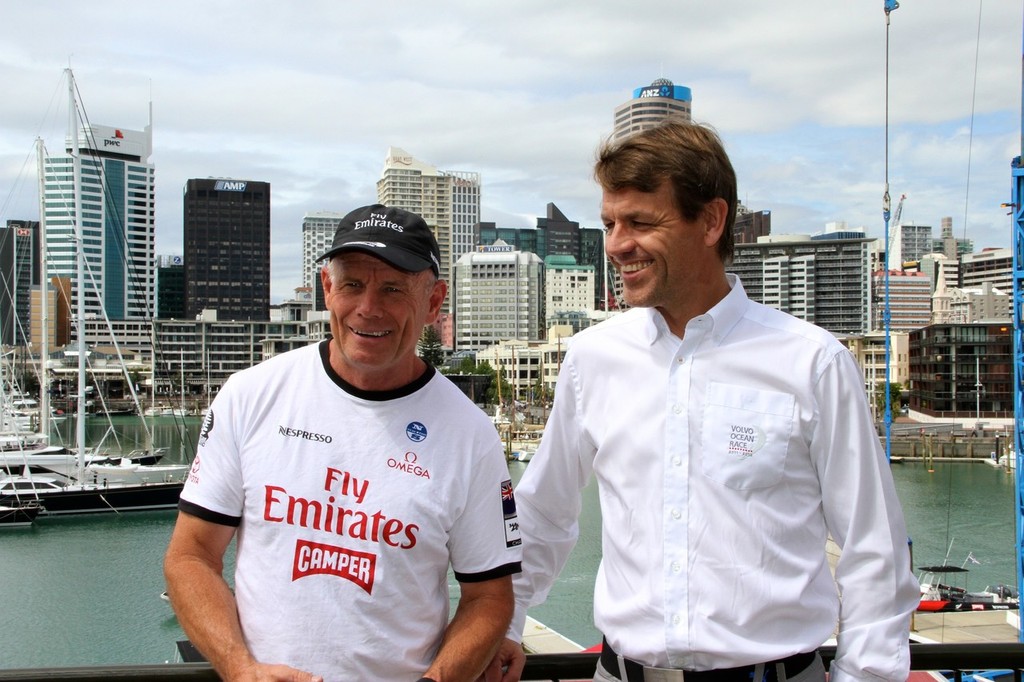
(351, 505)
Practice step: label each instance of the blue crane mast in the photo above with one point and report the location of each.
(1017, 247)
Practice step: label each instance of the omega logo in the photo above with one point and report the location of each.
(409, 465)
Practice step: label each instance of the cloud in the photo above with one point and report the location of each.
(309, 96)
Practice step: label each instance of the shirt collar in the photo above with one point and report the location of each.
(723, 316)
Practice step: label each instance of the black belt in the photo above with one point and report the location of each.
(634, 672)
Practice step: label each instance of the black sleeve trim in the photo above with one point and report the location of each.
(499, 572)
(205, 514)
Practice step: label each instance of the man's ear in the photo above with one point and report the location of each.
(713, 219)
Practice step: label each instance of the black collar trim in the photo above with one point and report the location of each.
(391, 394)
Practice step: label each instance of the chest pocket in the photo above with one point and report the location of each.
(745, 435)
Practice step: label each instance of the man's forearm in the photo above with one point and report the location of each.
(473, 635)
(208, 614)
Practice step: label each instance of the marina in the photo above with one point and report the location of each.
(102, 576)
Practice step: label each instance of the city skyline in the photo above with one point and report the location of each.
(523, 95)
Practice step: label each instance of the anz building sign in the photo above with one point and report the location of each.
(230, 186)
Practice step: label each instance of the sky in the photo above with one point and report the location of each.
(815, 110)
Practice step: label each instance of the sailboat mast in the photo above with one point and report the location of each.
(44, 306)
(80, 273)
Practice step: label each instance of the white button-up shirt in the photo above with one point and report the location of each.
(724, 460)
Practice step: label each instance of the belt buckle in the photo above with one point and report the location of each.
(652, 674)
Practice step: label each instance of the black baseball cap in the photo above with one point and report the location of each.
(394, 235)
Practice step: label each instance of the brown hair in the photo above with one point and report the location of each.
(689, 155)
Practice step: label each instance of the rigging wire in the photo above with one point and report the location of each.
(970, 135)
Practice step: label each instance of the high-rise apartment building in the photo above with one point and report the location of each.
(449, 202)
(784, 270)
(318, 230)
(650, 105)
(19, 273)
(499, 295)
(910, 300)
(988, 265)
(568, 287)
(910, 243)
(227, 248)
(116, 197)
(962, 369)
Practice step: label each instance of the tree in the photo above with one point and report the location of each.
(430, 348)
(895, 398)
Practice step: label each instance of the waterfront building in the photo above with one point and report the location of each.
(170, 287)
(568, 288)
(530, 368)
(205, 350)
(19, 272)
(988, 265)
(318, 230)
(449, 202)
(295, 309)
(227, 248)
(498, 294)
(116, 191)
(962, 369)
(824, 279)
(910, 300)
(869, 352)
(650, 105)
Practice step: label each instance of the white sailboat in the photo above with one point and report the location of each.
(121, 486)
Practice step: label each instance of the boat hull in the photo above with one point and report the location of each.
(100, 499)
(18, 515)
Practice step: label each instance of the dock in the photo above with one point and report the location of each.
(540, 639)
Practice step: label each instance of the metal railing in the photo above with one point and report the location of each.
(956, 660)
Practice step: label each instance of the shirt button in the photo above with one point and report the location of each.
(675, 620)
(676, 514)
(681, 361)
(676, 567)
(678, 461)
(677, 409)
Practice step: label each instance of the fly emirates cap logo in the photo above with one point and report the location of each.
(338, 511)
(379, 220)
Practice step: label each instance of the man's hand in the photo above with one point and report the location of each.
(507, 664)
(273, 672)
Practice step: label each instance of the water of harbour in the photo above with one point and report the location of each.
(85, 591)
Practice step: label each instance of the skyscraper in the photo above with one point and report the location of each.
(498, 295)
(19, 272)
(449, 201)
(116, 191)
(318, 230)
(650, 105)
(227, 248)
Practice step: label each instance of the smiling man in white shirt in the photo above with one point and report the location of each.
(729, 441)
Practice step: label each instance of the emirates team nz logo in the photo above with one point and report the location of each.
(416, 432)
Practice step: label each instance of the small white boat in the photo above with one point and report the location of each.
(128, 471)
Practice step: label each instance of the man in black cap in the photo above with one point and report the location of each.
(355, 475)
